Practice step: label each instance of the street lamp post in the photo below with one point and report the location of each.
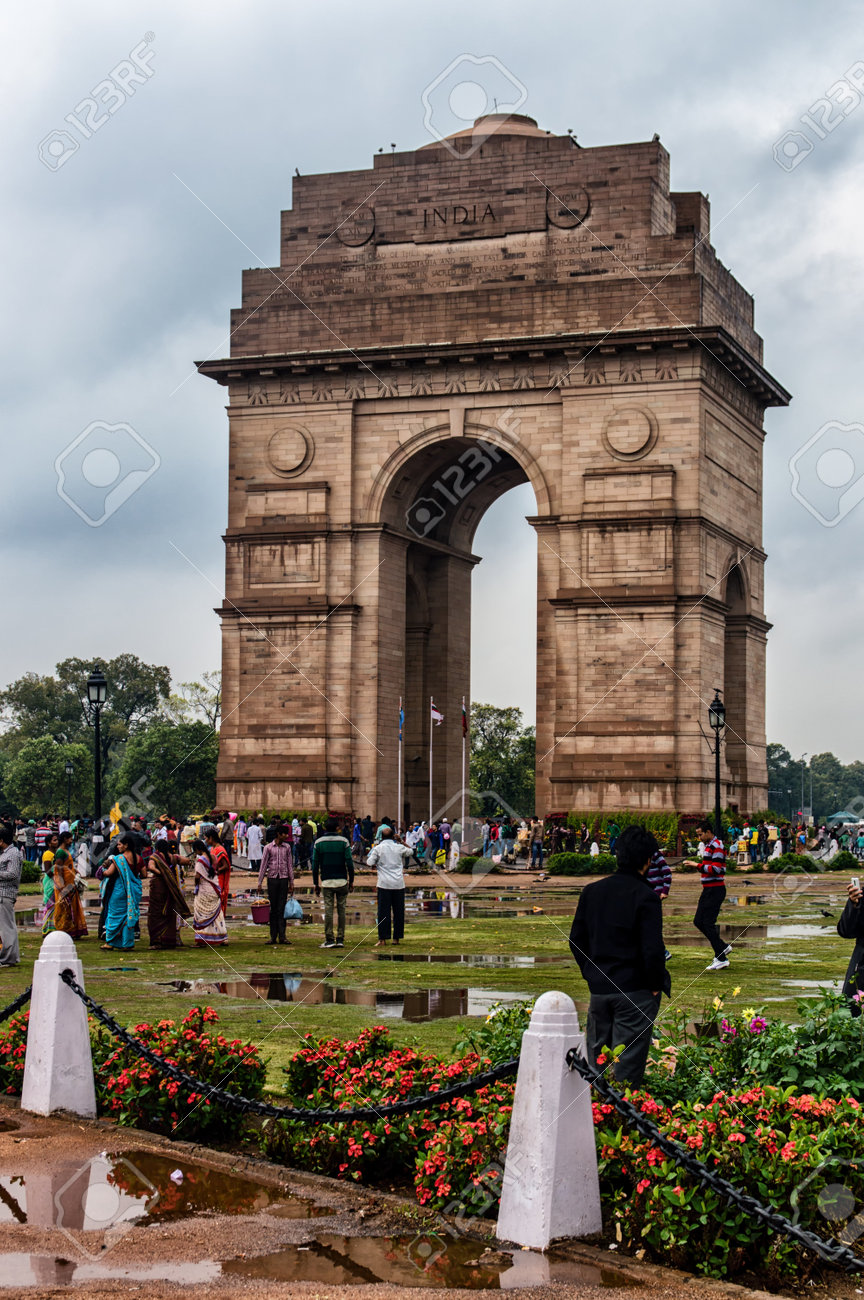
(97, 694)
(69, 770)
(717, 720)
(803, 759)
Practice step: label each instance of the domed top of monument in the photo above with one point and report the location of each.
(495, 124)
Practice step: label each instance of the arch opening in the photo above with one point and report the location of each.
(735, 680)
(432, 508)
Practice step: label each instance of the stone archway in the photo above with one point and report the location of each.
(604, 354)
(433, 492)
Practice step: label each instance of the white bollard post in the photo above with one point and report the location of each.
(551, 1189)
(58, 1067)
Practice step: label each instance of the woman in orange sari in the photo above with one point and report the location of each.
(68, 909)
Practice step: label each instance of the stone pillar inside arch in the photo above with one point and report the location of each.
(437, 639)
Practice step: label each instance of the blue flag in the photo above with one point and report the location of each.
(401, 721)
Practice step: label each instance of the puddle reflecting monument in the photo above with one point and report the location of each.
(500, 308)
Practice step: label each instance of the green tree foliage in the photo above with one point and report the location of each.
(37, 707)
(835, 785)
(197, 701)
(169, 767)
(502, 759)
(34, 779)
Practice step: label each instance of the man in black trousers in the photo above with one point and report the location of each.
(851, 926)
(617, 940)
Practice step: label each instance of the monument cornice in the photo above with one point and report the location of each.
(714, 339)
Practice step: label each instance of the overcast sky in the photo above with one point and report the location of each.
(123, 254)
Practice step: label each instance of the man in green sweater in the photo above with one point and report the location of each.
(333, 872)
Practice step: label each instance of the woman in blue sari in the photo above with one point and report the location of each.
(125, 901)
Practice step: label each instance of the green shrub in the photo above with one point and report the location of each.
(793, 862)
(500, 1036)
(663, 825)
(30, 873)
(843, 861)
(737, 1048)
(466, 863)
(580, 864)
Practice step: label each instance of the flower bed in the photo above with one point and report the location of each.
(13, 1043)
(369, 1071)
(727, 1094)
(131, 1091)
(784, 1149)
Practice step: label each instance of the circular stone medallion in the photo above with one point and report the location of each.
(630, 433)
(290, 449)
(569, 208)
(356, 228)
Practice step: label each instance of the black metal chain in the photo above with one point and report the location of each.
(831, 1252)
(20, 1001)
(246, 1105)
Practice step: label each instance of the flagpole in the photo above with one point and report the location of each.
(464, 734)
(399, 776)
(431, 702)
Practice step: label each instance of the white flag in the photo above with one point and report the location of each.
(437, 715)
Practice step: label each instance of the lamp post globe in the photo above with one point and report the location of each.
(97, 694)
(97, 688)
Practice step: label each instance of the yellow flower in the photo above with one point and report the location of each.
(748, 1013)
(717, 1003)
(736, 990)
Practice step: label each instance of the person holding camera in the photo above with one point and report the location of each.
(851, 926)
(617, 941)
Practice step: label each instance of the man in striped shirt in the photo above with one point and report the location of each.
(659, 877)
(713, 866)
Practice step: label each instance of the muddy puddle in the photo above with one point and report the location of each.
(19, 1270)
(426, 1260)
(112, 1191)
(312, 991)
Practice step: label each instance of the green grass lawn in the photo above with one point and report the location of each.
(761, 964)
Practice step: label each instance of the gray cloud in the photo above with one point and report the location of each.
(117, 277)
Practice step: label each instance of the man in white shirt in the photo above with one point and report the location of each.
(255, 843)
(64, 826)
(389, 857)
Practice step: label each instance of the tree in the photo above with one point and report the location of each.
(169, 767)
(34, 780)
(54, 707)
(502, 759)
(197, 701)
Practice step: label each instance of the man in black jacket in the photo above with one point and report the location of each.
(851, 926)
(617, 940)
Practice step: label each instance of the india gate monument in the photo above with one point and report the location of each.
(501, 307)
